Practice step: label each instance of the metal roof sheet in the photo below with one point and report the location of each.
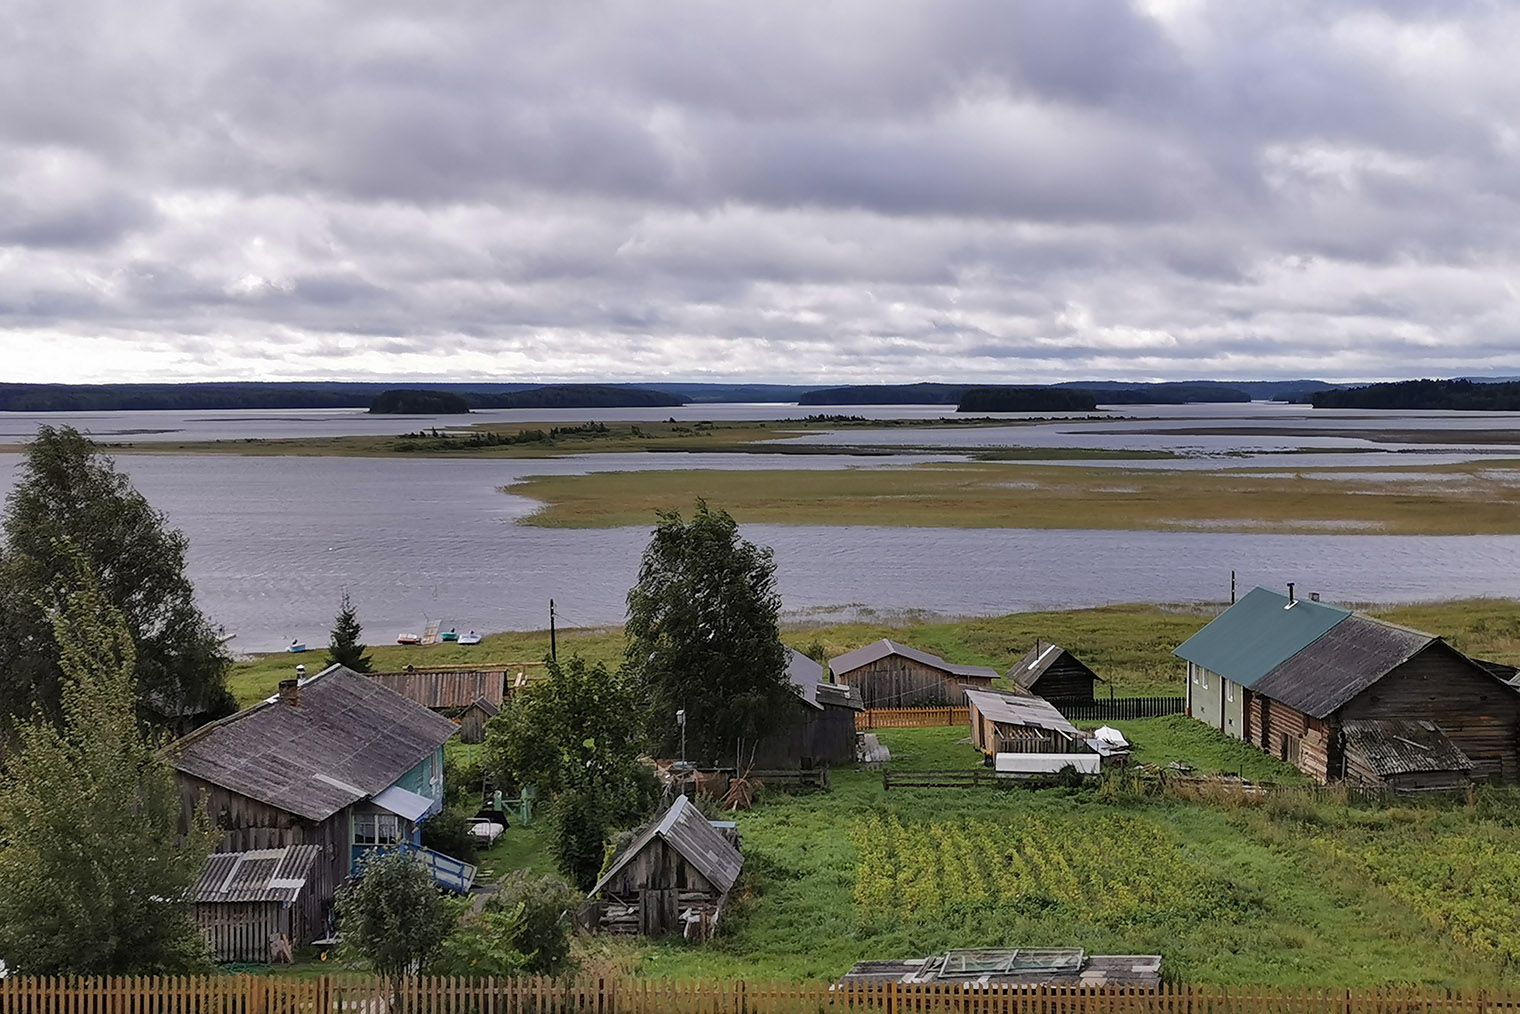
(403, 803)
(1087, 970)
(1010, 709)
(806, 677)
(1341, 663)
(261, 875)
(349, 738)
(1256, 634)
(1399, 748)
(1041, 657)
(684, 829)
(877, 650)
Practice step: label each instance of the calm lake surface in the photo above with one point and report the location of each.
(273, 541)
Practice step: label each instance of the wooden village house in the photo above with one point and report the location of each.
(245, 902)
(1292, 676)
(675, 876)
(892, 675)
(819, 731)
(1052, 672)
(334, 761)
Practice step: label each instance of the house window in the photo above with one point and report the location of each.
(377, 829)
(1195, 673)
(1290, 749)
(1229, 690)
(1205, 673)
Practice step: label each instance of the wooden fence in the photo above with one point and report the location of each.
(242, 994)
(911, 718)
(1119, 708)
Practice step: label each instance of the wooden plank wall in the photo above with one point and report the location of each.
(445, 690)
(898, 682)
(241, 931)
(910, 718)
(244, 994)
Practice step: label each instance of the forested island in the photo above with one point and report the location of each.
(1179, 393)
(577, 396)
(419, 403)
(1026, 399)
(1458, 395)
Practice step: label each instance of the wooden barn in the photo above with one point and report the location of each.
(1052, 672)
(892, 675)
(1403, 756)
(472, 721)
(1009, 723)
(446, 689)
(674, 877)
(336, 761)
(820, 730)
(245, 902)
(1292, 674)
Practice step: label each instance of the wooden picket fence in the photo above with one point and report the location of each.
(246, 994)
(910, 718)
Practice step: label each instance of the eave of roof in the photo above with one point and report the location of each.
(876, 650)
(1347, 659)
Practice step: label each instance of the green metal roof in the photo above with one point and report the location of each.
(1258, 633)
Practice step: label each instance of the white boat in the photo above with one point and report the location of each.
(470, 638)
(297, 646)
(408, 639)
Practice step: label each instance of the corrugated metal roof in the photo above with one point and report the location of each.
(852, 660)
(262, 875)
(1341, 663)
(1400, 748)
(688, 832)
(1010, 709)
(1256, 634)
(403, 803)
(348, 739)
(1040, 658)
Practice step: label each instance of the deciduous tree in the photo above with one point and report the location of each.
(69, 495)
(392, 916)
(94, 872)
(703, 637)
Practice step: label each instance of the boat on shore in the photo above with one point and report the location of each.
(408, 639)
(296, 646)
(470, 638)
(449, 635)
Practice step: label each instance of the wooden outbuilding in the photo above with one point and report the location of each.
(674, 877)
(1403, 756)
(1010, 723)
(892, 675)
(446, 689)
(472, 721)
(1052, 672)
(819, 730)
(335, 761)
(245, 902)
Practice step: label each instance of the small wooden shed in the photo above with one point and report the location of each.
(1007, 723)
(472, 721)
(1405, 756)
(245, 902)
(1052, 672)
(891, 675)
(674, 877)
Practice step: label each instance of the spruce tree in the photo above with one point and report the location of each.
(94, 869)
(343, 648)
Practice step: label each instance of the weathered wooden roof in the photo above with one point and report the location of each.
(1010, 709)
(262, 875)
(684, 829)
(852, 660)
(1347, 659)
(490, 708)
(1401, 748)
(1253, 636)
(1012, 967)
(1505, 672)
(806, 677)
(446, 688)
(348, 739)
(1039, 660)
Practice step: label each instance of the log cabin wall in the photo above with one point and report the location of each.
(1477, 712)
(247, 825)
(1288, 734)
(898, 682)
(1065, 680)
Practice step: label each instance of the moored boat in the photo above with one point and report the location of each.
(297, 646)
(449, 635)
(470, 638)
(408, 639)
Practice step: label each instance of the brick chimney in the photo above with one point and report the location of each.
(290, 693)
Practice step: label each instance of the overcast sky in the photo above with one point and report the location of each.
(861, 191)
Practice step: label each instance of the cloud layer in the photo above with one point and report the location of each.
(829, 191)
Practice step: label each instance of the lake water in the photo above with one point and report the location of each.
(273, 542)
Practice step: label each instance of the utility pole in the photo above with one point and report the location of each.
(553, 648)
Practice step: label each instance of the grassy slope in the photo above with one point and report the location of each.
(989, 495)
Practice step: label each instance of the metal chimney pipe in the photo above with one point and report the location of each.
(1291, 599)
